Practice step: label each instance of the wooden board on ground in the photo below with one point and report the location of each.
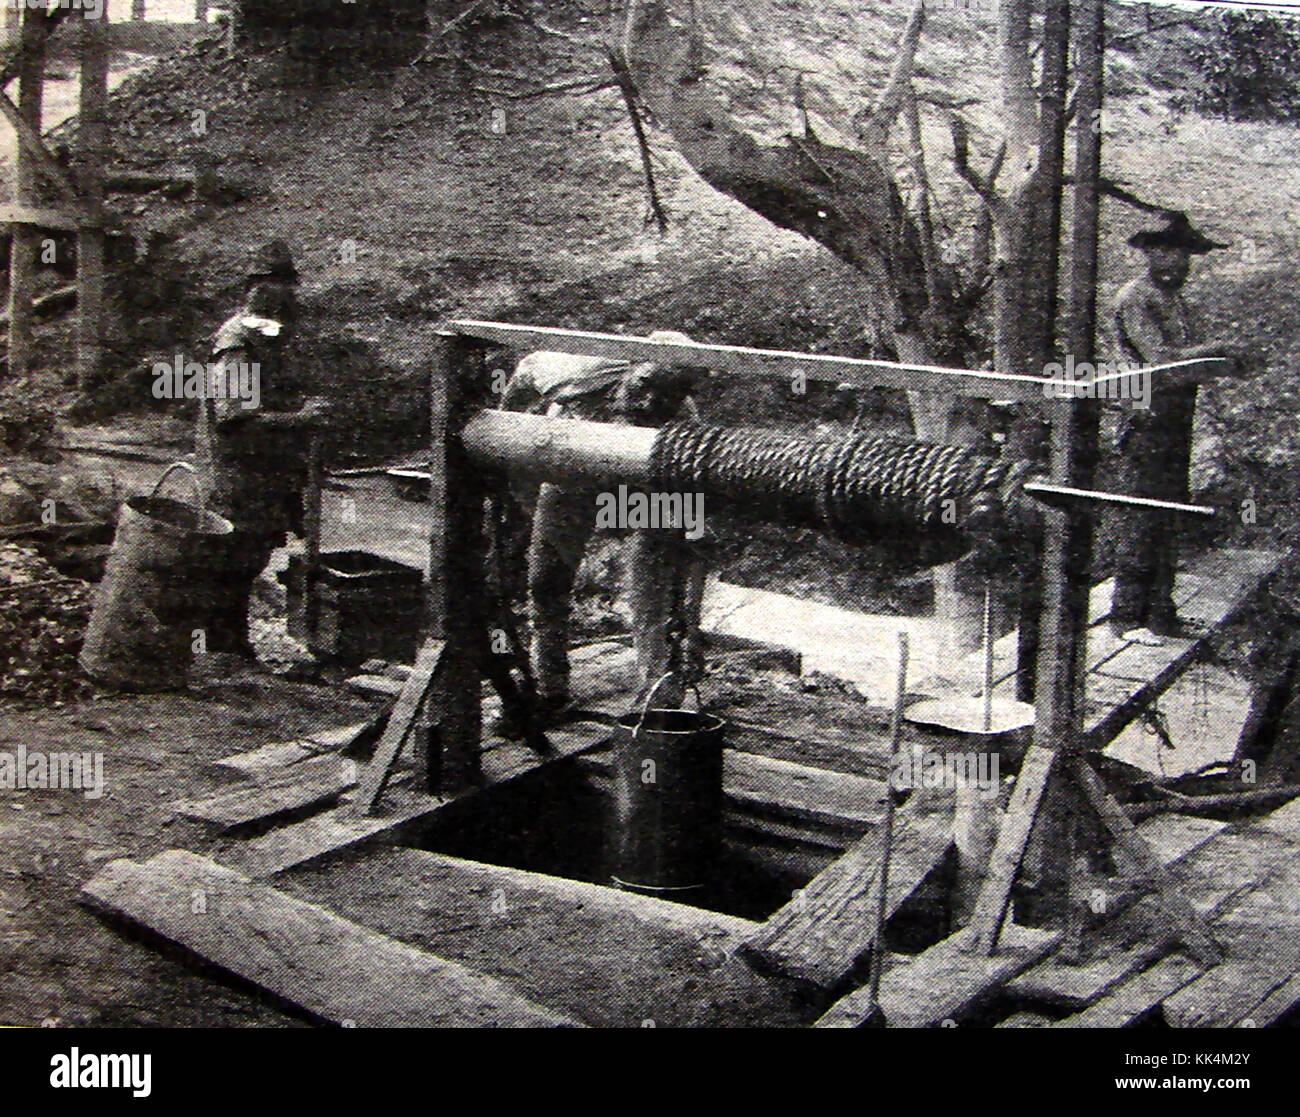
(944, 981)
(1211, 875)
(310, 783)
(402, 808)
(1262, 936)
(822, 932)
(330, 968)
(269, 761)
(1123, 684)
(1272, 1008)
(1136, 996)
(607, 958)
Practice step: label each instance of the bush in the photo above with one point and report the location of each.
(1251, 68)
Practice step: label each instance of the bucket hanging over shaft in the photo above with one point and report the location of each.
(668, 799)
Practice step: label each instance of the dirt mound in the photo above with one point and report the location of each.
(43, 618)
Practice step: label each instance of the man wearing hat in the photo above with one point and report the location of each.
(563, 519)
(1153, 325)
(255, 459)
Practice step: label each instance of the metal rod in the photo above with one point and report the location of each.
(1057, 494)
(988, 655)
(887, 834)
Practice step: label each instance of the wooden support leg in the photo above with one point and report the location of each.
(415, 692)
(1195, 935)
(457, 561)
(1022, 812)
(92, 157)
(974, 835)
(26, 239)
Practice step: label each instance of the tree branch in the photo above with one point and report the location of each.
(961, 160)
(623, 79)
(874, 130)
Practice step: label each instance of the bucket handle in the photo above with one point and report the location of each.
(645, 706)
(198, 488)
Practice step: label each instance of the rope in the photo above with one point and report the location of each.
(856, 487)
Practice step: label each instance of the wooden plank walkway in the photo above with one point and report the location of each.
(1245, 881)
(327, 966)
(829, 925)
(943, 982)
(1123, 678)
(342, 828)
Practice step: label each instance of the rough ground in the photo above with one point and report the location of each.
(59, 963)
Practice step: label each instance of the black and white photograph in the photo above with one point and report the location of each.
(650, 514)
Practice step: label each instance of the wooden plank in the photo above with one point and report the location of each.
(944, 981)
(1285, 821)
(1137, 996)
(1211, 876)
(609, 958)
(1013, 836)
(268, 761)
(769, 362)
(1125, 836)
(344, 737)
(1228, 581)
(1273, 1007)
(825, 929)
(311, 783)
(343, 829)
(399, 725)
(380, 685)
(1262, 934)
(41, 217)
(1173, 836)
(328, 967)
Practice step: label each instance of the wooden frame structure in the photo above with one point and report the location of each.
(468, 442)
(80, 205)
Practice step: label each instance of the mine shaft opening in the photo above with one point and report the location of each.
(560, 823)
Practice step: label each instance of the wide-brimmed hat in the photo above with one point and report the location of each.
(1177, 233)
(272, 260)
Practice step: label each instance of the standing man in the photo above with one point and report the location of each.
(255, 458)
(1154, 325)
(563, 519)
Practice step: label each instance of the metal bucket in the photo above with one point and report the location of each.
(141, 629)
(668, 799)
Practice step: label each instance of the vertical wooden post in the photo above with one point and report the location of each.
(456, 589)
(1058, 718)
(957, 611)
(92, 155)
(137, 9)
(200, 11)
(1051, 147)
(26, 238)
(1038, 807)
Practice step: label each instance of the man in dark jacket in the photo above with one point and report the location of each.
(256, 458)
(1153, 325)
